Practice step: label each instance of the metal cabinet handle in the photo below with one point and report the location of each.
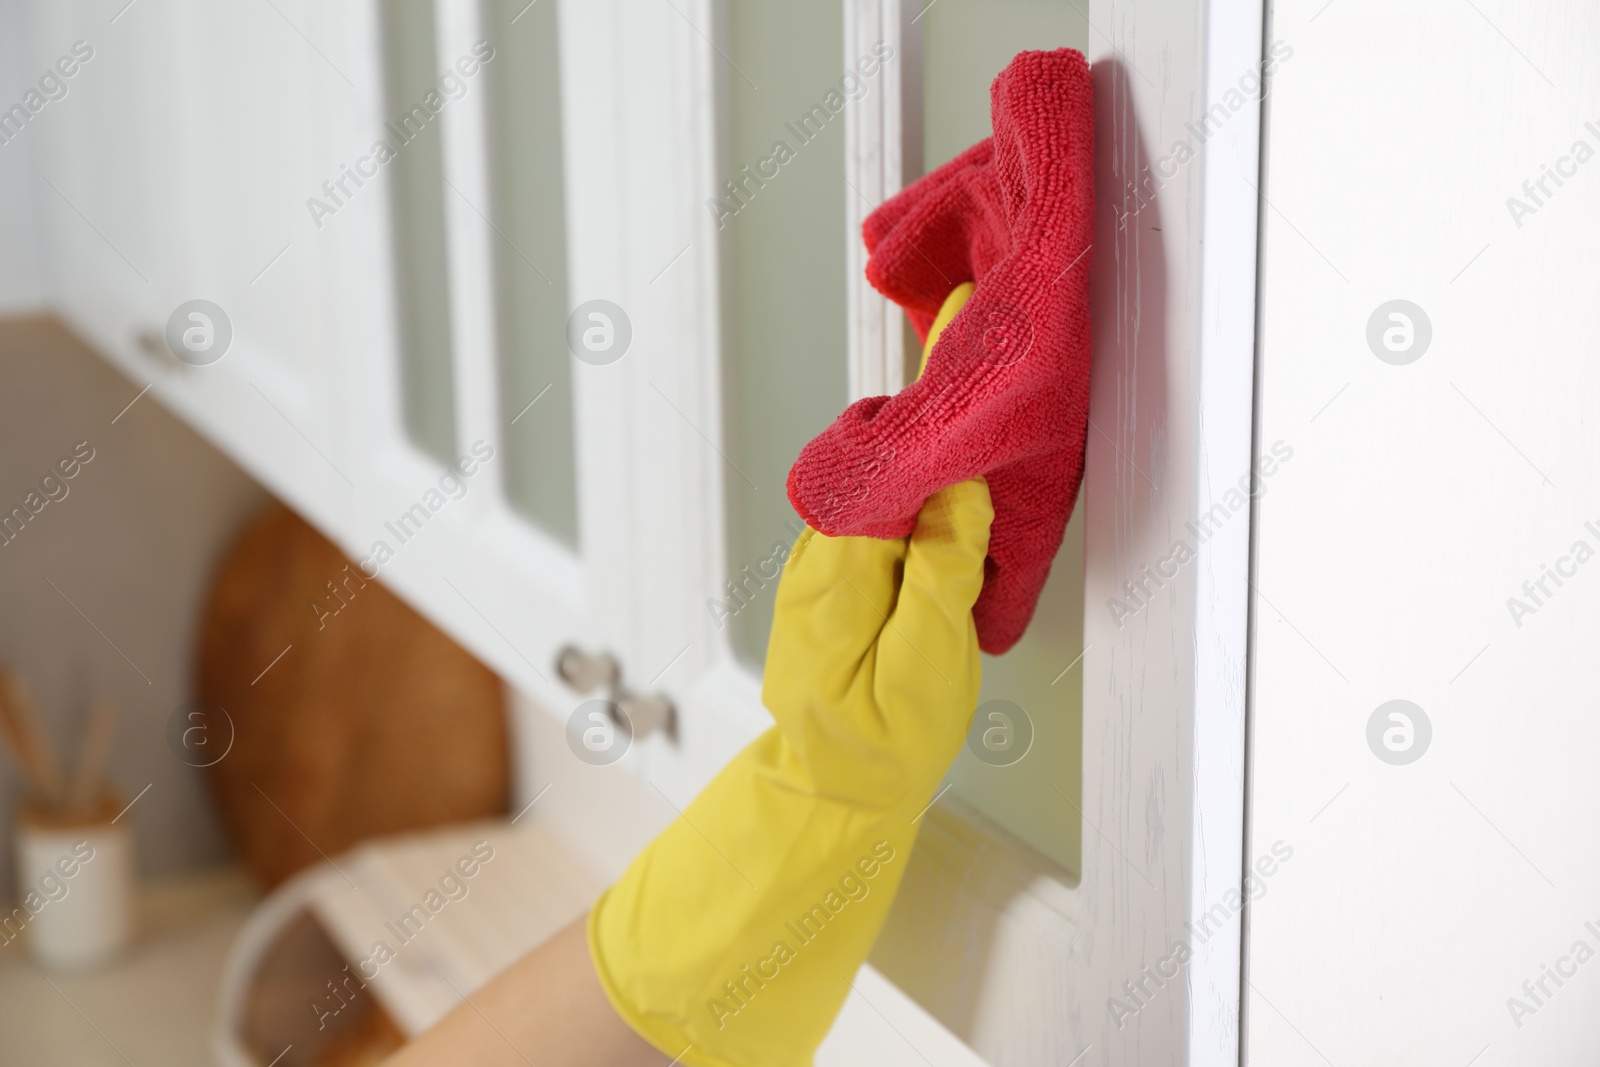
(642, 714)
(587, 671)
(646, 713)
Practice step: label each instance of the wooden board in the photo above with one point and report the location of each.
(371, 722)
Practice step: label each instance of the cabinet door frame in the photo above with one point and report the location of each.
(1164, 709)
(1188, 354)
(1172, 398)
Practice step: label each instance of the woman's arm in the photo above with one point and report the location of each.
(547, 1009)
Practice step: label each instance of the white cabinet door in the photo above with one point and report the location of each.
(171, 184)
(117, 224)
(1425, 592)
(1039, 892)
(389, 211)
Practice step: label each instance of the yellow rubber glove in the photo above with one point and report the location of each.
(733, 938)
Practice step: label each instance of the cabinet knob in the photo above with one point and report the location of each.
(646, 713)
(587, 671)
(641, 714)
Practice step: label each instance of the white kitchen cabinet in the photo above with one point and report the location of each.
(1353, 519)
(382, 323)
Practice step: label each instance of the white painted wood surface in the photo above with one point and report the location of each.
(875, 169)
(1421, 496)
(1173, 294)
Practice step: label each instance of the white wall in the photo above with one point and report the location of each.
(132, 544)
(1428, 885)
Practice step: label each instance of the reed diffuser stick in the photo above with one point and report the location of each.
(25, 734)
(88, 780)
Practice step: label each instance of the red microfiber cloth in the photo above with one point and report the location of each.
(1006, 390)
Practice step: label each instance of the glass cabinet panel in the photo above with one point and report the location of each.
(785, 363)
(1031, 707)
(783, 262)
(411, 69)
(531, 265)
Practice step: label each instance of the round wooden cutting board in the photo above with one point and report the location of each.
(372, 722)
